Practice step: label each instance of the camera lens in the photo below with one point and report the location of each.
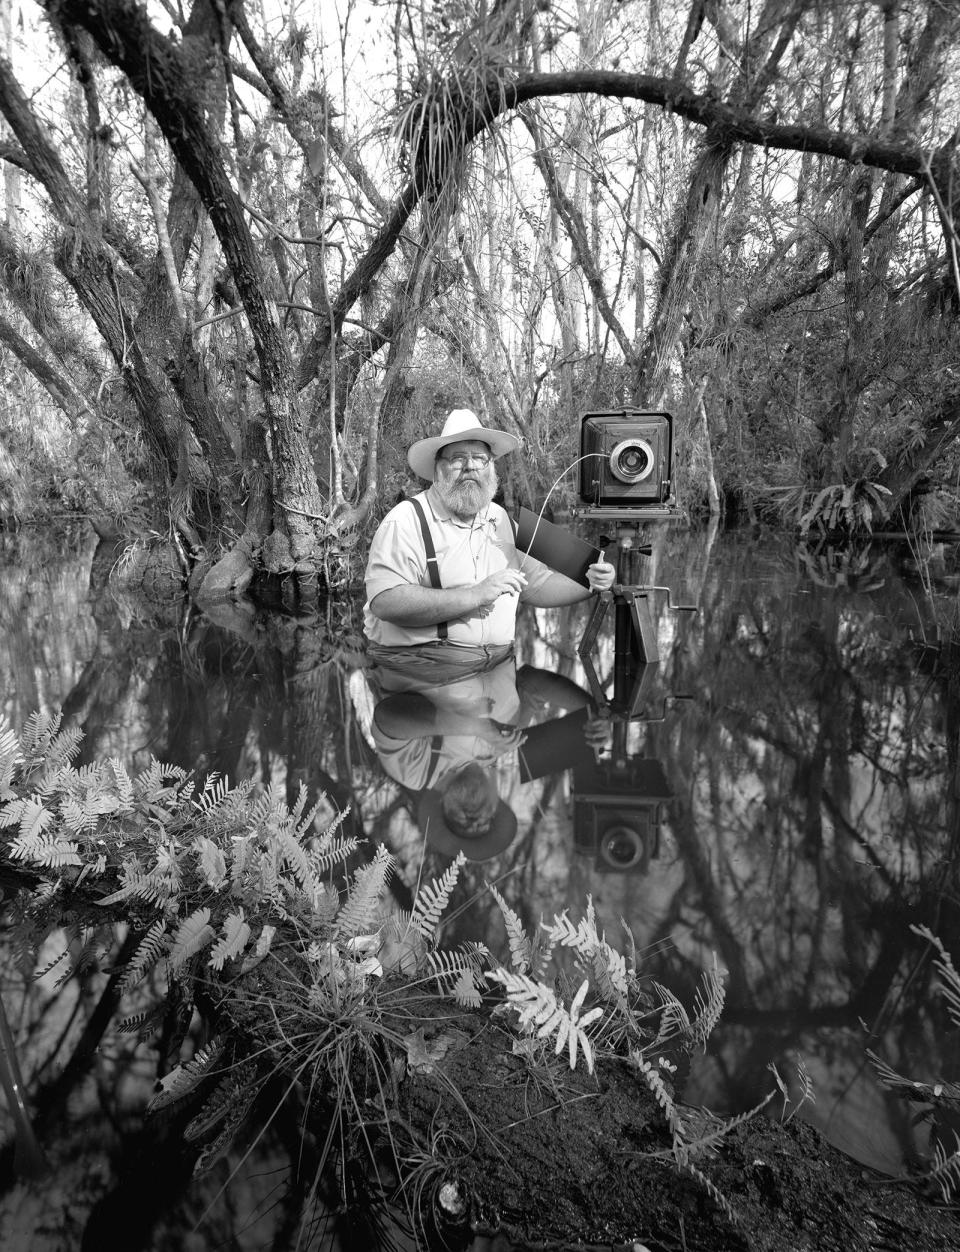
(631, 460)
(621, 847)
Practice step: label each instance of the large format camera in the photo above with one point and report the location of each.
(626, 460)
(618, 813)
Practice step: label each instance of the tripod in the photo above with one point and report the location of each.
(635, 646)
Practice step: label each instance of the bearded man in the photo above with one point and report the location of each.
(444, 576)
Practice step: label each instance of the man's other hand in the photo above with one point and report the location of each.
(601, 576)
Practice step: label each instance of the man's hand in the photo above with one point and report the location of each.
(601, 576)
(505, 582)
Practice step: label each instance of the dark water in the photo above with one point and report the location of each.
(779, 791)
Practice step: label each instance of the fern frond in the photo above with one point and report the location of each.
(123, 785)
(183, 1079)
(521, 947)
(708, 1005)
(462, 966)
(29, 815)
(148, 952)
(539, 1009)
(712, 1190)
(215, 790)
(37, 733)
(656, 1084)
(432, 899)
(949, 978)
(158, 784)
(465, 991)
(608, 966)
(223, 1100)
(137, 1023)
(10, 758)
(673, 1017)
(155, 887)
(236, 936)
(358, 913)
(63, 747)
(213, 864)
(946, 1169)
(703, 1142)
(295, 856)
(46, 851)
(235, 1114)
(193, 934)
(41, 973)
(332, 852)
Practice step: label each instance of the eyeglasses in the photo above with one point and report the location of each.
(461, 460)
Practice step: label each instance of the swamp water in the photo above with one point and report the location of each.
(778, 793)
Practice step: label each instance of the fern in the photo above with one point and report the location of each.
(521, 947)
(236, 936)
(946, 1169)
(949, 978)
(222, 1104)
(712, 1190)
(215, 791)
(45, 851)
(708, 1005)
(657, 1086)
(538, 1009)
(136, 1023)
(149, 951)
(460, 967)
(183, 1079)
(41, 973)
(465, 991)
(604, 962)
(432, 899)
(159, 784)
(10, 759)
(332, 851)
(213, 864)
(297, 859)
(235, 1113)
(359, 910)
(193, 934)
(29, 815)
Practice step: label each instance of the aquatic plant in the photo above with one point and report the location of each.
(269, 923)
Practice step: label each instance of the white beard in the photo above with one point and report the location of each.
(466, 497)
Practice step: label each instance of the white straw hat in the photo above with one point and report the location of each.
(460, 424)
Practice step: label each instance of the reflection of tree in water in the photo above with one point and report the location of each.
(814, 815)
(811, 820)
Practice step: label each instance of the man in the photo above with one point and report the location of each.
(444, 576)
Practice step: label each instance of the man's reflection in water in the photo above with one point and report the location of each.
(451, 743)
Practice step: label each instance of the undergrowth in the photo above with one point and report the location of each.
(283, 938)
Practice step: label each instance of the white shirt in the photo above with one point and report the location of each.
(467, 553)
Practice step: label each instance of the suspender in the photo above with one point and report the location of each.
(433, 565)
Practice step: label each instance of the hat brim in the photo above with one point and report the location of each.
(438, 834)
(423, 453)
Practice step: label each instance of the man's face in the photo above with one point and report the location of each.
(465, 484)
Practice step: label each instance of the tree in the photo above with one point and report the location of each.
(261, 285)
